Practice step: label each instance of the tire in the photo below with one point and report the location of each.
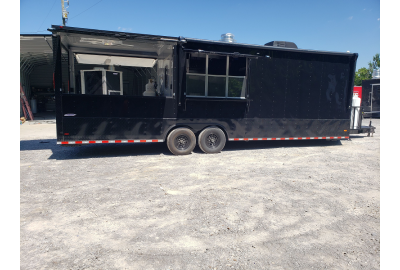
(212, 140)
(181, 141)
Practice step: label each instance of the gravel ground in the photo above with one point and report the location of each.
(256, 205)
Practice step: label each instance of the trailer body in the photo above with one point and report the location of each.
(249, 92)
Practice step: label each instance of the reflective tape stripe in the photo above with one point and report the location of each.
(109, 141)
(290, 138)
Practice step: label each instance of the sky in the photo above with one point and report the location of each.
(328, 25)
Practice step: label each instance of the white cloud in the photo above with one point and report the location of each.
(350, 18)
(379, 19)
(124, 29)
(364, 9)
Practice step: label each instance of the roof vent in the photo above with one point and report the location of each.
(376, 74)
(228, 37)
(285, 44)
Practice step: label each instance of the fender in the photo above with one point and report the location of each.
(195, 127)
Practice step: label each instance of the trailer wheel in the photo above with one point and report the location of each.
(212, 140)
(181, 141)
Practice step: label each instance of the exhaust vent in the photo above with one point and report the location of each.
(228, 37)
(285, 44)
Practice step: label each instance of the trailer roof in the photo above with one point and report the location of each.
(112, 34)
(264, 47)
(127, 35)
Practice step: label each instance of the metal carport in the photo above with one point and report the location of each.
(36, 67)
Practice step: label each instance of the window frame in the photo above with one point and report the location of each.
(226, 76)
(104, 81)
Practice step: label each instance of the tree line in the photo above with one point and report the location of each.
(366, 73)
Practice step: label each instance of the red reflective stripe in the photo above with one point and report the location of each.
(104, 141)
(117, 141)
(282, 139)
(92, 141)
(66, 134)
(64, 142)
(78, 142)
(154, 140)
(131, 140)
(142, 140)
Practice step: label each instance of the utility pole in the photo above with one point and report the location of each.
(64, 11)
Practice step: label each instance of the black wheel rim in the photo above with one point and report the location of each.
(212, 141)
(182, 142)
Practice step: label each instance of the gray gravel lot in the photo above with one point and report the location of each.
(257, 205)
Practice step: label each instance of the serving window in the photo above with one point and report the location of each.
(101, 82)
(131, 76)
(218, 76)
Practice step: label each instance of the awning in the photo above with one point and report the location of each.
(109, 43)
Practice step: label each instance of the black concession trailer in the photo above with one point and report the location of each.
(135, 88)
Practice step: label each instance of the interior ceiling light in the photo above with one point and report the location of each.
(106, 42)
(114, 60)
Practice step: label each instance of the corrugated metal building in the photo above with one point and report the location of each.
(36, 72)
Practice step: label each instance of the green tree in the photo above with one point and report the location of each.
(362, 74)
(366, 73)
(375, 64)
